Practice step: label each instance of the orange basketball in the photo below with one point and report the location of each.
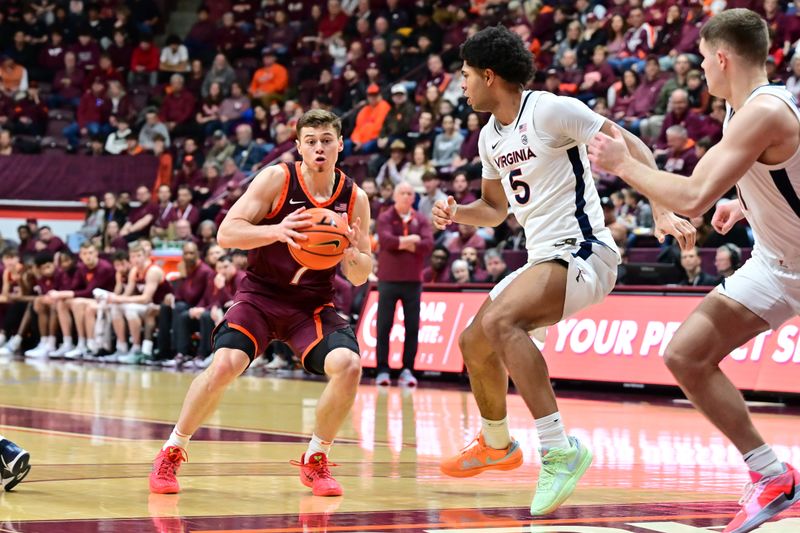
(327, 240)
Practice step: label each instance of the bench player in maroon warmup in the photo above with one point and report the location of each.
(281, 299)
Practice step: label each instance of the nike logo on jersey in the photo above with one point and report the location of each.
(495, 145)
(517, 156)
(579, 277)
(292, 202)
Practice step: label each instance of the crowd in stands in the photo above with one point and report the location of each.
(215, 105)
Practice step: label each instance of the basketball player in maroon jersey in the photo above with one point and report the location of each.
(281, 299)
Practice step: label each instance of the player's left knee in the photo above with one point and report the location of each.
(496, 324)
(343, 364)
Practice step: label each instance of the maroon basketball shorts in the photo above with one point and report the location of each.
(312, 335)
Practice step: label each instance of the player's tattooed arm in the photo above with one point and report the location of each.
(357, 261)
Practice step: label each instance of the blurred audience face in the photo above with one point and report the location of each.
(89, 256)
(679, 102)
(460, 272)
(470, 255)
(370, 188)
(184, 197)
(690, 260)
(164, 194)
(47, 270)
(183, 232)
(45, 234)
(387, 190)
(112, 229)
(439, 260)
(420, 157)
(460, 183)
(403, 197)
(66, 261)
(431, 186)
(143, 195)
(191, 256)
(244, 134)
(448, 124)
(722, 261)
(226, 268)
(213, 254)
(676, 141)
(495, 265)
(122, 266)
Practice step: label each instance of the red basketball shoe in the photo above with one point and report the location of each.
(315, 474)
(163, 478)
(764, 497)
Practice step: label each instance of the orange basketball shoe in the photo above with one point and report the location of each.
(764, 497)
(163, 478)
(477, 457)
(315, 474)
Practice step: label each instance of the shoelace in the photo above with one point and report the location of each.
(320, 469)
(750, 489)
(548, 467)
(175, 456)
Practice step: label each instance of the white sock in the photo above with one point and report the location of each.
(50, 342)
(495, 433)
(67, 341)
(147, 347)
(177, 438)
(317, 445)
(122, 347)
(764, 461)
(551, 432)
(3, 339)
(81, 343)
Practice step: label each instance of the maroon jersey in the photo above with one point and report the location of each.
(162, 290)
(272, 271)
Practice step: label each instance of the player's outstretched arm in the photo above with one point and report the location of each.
(357, 262)
(666, 223)
(241, 229)
(490, 210)
(746, 138)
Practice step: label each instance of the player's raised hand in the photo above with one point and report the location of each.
(353, 235)
(726, 215)
(287, 232)
(443, 212)
(608, 152)
(670, 224)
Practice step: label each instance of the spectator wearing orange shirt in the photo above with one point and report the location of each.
(271, 80)
(13, 77)
(369, 122)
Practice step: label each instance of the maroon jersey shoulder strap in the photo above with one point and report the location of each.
(287, 179)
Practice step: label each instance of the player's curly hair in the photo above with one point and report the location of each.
(501, 50)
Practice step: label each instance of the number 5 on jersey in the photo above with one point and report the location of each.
(524, 196)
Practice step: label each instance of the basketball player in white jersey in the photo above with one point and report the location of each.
(533, 152)
(759, 154)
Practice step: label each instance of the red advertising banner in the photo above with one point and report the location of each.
(620, 340)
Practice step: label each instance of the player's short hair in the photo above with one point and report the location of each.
(120, 255)
(319, 118)
(42, 258)
(741, 29)
(501, 50)
(10, 252)
(135, 246)
(87, 244)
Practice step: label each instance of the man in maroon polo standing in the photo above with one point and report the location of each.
(405, 239)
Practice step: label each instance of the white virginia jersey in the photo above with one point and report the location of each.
(542, 161)
(768, 194)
